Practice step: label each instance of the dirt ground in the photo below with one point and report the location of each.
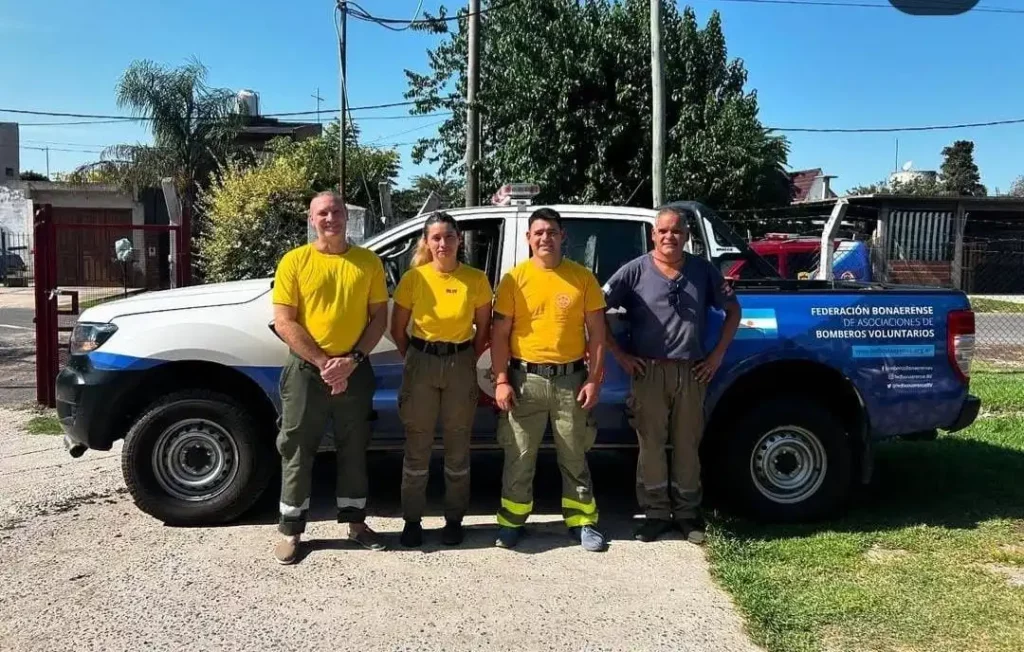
(82, 569)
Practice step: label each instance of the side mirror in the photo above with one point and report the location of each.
(273, 330)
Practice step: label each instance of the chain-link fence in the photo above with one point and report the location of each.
(982, 257)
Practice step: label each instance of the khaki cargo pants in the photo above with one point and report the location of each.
(520, 431)
(307, 407)
(667, 405)
(437, 388)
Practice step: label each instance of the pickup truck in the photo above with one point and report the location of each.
(818, 373)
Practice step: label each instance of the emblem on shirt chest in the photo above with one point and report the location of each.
(451, 291)
(563, 301)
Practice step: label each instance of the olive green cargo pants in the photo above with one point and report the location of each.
(437, 388)
(520, 432)
(667, 405)
(307, 407)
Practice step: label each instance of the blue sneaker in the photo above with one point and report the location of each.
(590, 538)
(508, 537)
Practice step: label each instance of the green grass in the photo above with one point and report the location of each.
(995, 305)
(915, 565)
(44, 424)
(1000, 391)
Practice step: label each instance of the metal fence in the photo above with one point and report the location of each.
(15, 259)
(81, 264)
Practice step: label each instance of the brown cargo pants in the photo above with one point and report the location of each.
(667, 405)
(437, 388)
(307, 407)
(520, 431)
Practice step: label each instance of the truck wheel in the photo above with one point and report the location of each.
(195, 458)
(788, 460)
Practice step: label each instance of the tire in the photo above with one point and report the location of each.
(810, 478)
(217, 442)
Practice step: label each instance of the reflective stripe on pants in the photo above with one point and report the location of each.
(520, 431)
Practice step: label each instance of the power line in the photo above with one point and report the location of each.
(362, 14)
(125, 118)
(865, 130)
(933, 4)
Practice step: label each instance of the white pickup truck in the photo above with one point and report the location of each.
(189, 377)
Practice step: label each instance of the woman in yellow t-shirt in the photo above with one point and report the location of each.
(444, 299)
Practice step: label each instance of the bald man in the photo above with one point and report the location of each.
(330, 301)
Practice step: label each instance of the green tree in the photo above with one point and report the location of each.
(257, 210)
(406, 202)
(959, 172)
(922, 187)
(32, 175)
(254, 215)
(365, 166)
(1017, 189)
(569, 106)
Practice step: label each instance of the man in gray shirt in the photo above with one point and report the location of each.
(666, 294)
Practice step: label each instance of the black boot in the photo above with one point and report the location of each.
(412, 535)
(451, 535)
(652, 528)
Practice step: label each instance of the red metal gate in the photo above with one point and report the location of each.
(89, 247)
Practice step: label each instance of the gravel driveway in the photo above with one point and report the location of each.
(82, 569)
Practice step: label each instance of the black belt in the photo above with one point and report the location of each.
(439, 348)
(548, 370)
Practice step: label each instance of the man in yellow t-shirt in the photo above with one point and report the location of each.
(330, 307)
(547, 355)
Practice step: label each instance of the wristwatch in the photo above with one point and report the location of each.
(357, 355)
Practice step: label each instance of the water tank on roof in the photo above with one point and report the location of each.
(247, 102)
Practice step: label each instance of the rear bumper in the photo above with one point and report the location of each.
(968, 413)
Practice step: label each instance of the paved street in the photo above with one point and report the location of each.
(17, 356)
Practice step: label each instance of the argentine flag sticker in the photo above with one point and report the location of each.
(757, 324)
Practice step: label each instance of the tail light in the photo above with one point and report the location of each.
(960, 342)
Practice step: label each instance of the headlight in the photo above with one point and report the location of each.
(88, 336)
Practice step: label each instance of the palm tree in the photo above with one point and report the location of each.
(193, 127)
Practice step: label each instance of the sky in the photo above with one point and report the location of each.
(812, 67)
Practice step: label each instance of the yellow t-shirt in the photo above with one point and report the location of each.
(443, 305)
(547, 308)
(331, 293)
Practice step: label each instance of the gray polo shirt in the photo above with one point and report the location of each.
(666, 316)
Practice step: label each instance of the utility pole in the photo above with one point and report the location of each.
(47, 162)
(472, 115)
(344, 96)
(318, 101)
(658, 108)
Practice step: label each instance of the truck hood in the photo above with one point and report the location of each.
(199, 296)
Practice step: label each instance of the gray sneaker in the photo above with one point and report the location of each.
(590, 538)
(367, 538)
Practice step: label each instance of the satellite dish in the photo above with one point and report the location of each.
(907, 166)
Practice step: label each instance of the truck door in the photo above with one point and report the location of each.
(488, 246)
(603, 245)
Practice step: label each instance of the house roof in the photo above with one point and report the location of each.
(803, 181)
